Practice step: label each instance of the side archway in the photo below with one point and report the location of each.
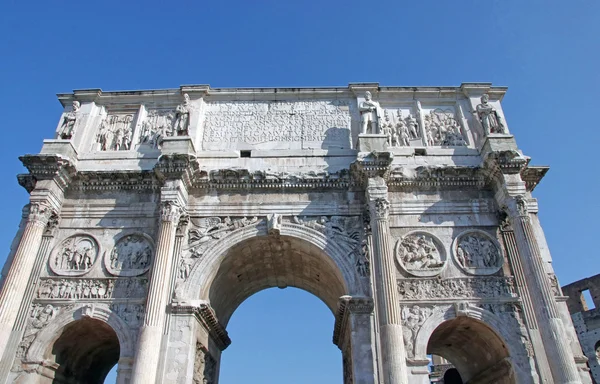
(82, 345)
(481, 347)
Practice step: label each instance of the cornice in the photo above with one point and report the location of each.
(347, 305)
(206, 316)
(115, 180)
(370, 165)
(432, 177)
(177, 166)
(47, 167)
(245, 179)
(532, 175)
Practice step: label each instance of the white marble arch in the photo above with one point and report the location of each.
(198, 284)
(51, 332)
(507, 334)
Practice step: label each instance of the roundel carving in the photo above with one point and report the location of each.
(131, 256)
(477, 253)
(420, 254)
(75, 256)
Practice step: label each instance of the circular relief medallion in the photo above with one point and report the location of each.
(131, 256)
(420, 254)
(477, 253)
(75, 256)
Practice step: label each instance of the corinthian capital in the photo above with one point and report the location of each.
(170, 211)
(381, 207)
(517, 206)
(40, 212)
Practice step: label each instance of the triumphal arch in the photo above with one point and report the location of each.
(406, 210)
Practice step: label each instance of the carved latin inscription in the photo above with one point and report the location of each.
(255, 123)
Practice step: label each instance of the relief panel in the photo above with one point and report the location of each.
(477, 253)
(131, 256)
(115, 131)
(420, 254)
(75, 256)
(443, 127)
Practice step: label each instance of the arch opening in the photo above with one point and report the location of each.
(479, 355)
(85, 352)
(273, 261)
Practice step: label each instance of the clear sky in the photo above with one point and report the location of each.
(546, 52)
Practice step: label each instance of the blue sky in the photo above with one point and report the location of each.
(546, 52)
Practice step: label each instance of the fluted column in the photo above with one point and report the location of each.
(560, 357)
(15, 284)
(393, 355)
(150, 336)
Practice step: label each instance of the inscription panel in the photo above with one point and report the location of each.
(315, 124)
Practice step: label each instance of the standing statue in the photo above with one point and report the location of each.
(182, 117)
(68, 126)
(369, 111)
(489, 117)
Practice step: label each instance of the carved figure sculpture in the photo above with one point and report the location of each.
(411, 122)
(412, 320)
(182, 117)
(489, 117)
(67, 128)
(132, 255)
(115, 133)
(442, 129)
(75, 256)
(475, 252)
(419, 255)
(369, 111)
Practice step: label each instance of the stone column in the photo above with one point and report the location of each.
(560, 357)
(393, 355)
(530, 320)
(150, 336)
(24, 310)
(15, 284)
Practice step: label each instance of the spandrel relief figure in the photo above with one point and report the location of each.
(419, 254)
(477, 253)
(67, 128)
(115, 133)
(489, 117)
(182, 117)
(131, 256)
(369, 111)
(442, 129)
(75, 256)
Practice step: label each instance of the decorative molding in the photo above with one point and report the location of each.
(116, 180)
(476, 288)
(206, 316)
(433, 177)
(532, 175)
(346, 305)
(50, 167)
(370, 165)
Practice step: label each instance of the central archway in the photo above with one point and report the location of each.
(265, 262)
(253, 259)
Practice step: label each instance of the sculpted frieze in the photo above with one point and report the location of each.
(412, 319)
(400, 131)
(39, 316)
(132, 314)
(205, 366)
(157, 125)
(116, 131)
(131, 256)
(420, 254)
(443, 129)
(75, 256)
(259, 122)
(76, 289)
(456, 288)
(203, 232)
(477, 253)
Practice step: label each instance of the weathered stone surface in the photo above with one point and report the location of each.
(155, 214)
